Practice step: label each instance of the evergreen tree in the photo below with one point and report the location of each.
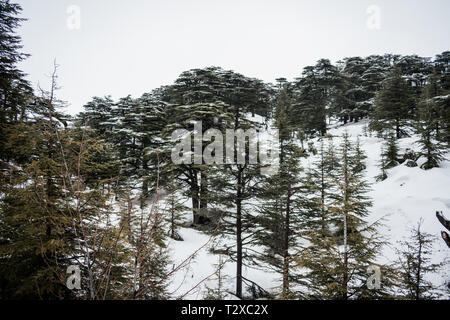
(415, 71)
(427, 127)
(202, 96)
(314, 92)
(15, 91)
(393, 104)
(97, 113)
(237, 183)
(319, 186)
(441, 65)
(414, 263)
(144, 227)
(382, 165)
(218, 293)
(337, 264)
(389, 152)
(14, 88)
(64, 212)
(279, 215)
(354, 98)
(174, 209)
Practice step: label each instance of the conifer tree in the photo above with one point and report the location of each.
(319, 186)
(415, 71)
(314, 92)
(427, 126)
(64, 213)
(218, 293)
(354, 98)
(14, 88)
(97, 113)
(337, 264)
(144, 227)
(394, 104)
(382, 165)
(202, 96)
(238, 182)
(414, 264)
(279, 215)
(174, 209)
(389, 152)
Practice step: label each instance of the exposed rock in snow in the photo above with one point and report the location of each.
(411, 163)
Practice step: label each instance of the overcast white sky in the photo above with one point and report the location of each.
(130, 47)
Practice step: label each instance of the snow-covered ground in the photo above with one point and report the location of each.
(405, 197)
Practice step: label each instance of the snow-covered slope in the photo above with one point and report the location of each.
(405, 197)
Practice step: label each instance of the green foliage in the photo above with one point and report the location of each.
(414, 264)
(335, 263)
(279, 214)
(88, 191)
(394, 104)
(390, 152)
(428, 127)
(312, 93)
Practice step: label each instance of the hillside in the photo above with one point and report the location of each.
(405, 197)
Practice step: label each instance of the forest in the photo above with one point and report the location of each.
(97, 194)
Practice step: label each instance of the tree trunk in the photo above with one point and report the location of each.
(195, 202)
(345, 293)
(346, 197)
(397, 128)
(286, 243)
(203, 197)
(239, 235)
(322, 198)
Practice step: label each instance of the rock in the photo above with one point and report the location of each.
(176, 236)
(411, 163)
(408, 155)
(311, 148)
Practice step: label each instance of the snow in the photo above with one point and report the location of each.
(405, 197)
(402, 200)
(204, 265)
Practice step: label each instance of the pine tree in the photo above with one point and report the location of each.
(319, 187)
(427, 126)
(414, 263)
(279, 214)
(237, 183)
(202, 96)
(394, 104)
(336, 265)
(314, 91)
(415, 71)
(389, 152)
(144, 228)
(174, 209)
(354, 97)
(15, 91)
(359, 157)
(441, 96)
(382, 165)
(96, 113)
(14, 88)
(64, 213)
(218, 293)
